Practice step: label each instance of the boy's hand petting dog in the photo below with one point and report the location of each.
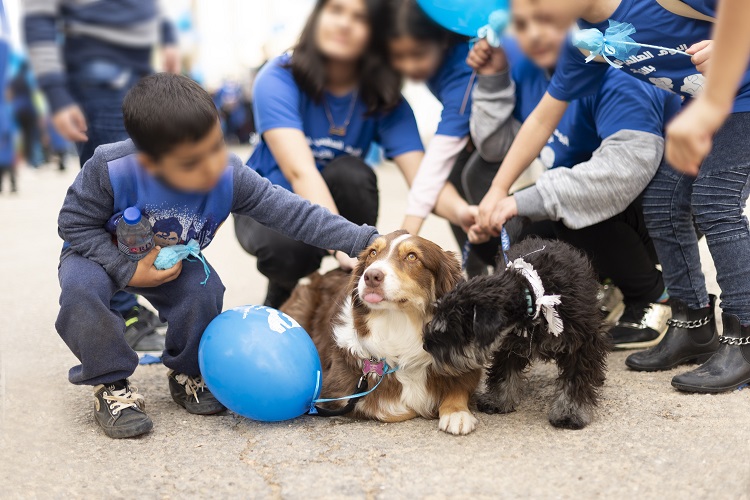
(147, 276)
(345, 262)
(487, 60)
(701, 53)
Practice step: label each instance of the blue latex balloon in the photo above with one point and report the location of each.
(260, 363)
(464, 17)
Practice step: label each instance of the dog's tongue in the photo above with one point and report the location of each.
(373, 298)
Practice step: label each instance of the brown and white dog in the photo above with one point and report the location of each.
(378, 313)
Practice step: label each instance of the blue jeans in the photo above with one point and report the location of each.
(99, 88)
(95, 333)
(716, 200)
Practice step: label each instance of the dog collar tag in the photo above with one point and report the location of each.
(371, 366)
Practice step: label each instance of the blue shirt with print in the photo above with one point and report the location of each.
(449, 85)
(618, 103)
(175, 216)
(279, 103)
(654, 25)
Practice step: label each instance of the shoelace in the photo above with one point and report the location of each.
(192, 384)
(124, 398)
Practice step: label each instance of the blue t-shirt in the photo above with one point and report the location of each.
(619, 103)
(654, 25)
(279, 103)
(449, 85)
(176, 216)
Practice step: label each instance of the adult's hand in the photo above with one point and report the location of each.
(70, 123)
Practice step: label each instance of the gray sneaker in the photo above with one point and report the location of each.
(119, 410)
(192, 394)
(140, 331)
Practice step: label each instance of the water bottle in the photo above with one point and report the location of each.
(135, 237)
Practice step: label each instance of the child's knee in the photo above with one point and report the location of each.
(717, 201)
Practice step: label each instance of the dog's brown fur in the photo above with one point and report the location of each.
(331, 310)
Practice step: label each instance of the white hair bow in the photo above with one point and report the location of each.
(544, 303)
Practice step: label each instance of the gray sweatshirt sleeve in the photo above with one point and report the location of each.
(493, 127)
(88, 206)
(595, 190)
(294, 216)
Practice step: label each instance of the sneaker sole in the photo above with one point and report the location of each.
(708, 390)
(127, 432)
(212, 412)
(699, 360)
(624, 346)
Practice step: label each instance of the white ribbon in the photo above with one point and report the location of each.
(546, 304)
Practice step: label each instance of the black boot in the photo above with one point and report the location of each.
(691, 338)
(728, 369)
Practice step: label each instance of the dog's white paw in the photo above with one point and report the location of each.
(458, 423)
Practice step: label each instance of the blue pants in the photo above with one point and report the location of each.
(716, 199)
(95, 333)
(99, 88)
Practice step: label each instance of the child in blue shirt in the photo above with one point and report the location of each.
(176, 170)
(715, 198)
(422, 51)
(598, 160)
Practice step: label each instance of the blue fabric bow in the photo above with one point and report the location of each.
(169, 257)
(615, 42)
(494, 28)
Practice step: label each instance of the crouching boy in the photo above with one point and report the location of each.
(176, 166)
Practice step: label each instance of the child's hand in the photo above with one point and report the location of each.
(487, 60)
(701, 53)
(146, 275)
(345, 262)
(690, 135)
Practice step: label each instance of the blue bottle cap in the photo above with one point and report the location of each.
(131, 215)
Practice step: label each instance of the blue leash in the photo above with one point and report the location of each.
(504, 243)
(352, 399)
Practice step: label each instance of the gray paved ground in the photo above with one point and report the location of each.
(648, 441)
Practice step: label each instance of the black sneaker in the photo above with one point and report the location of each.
(119, 410)
(140, 332)
(192, 394)
(641, 325)
(276, 295)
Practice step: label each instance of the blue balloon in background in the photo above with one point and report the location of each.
(462, 16)
(260, 363)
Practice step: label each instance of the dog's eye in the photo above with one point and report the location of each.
(373, 253)
(412, 256)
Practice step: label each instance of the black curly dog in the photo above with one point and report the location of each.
(486, 320)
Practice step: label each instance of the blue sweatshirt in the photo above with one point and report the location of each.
(122, 32)
(113, 180)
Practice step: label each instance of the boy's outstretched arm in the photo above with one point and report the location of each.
(529, 142)
(293, 216)
(690, 135)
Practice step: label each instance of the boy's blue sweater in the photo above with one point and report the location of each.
(113, 180)
(122, 32)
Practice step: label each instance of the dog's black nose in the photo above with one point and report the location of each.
(374, 277)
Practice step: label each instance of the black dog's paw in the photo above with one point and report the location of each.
(487, 403)
(565, 414)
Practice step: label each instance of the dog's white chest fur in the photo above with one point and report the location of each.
(397, 338)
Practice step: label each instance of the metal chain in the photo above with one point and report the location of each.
(735, 340)
(690, 324)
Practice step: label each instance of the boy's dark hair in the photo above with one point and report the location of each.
(164, 110)
(380, 87)
(406, 18)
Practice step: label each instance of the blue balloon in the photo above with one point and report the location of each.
(464, 17)
(260, 363)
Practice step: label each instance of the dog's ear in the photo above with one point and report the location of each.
(488, 323)
(448, 274)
